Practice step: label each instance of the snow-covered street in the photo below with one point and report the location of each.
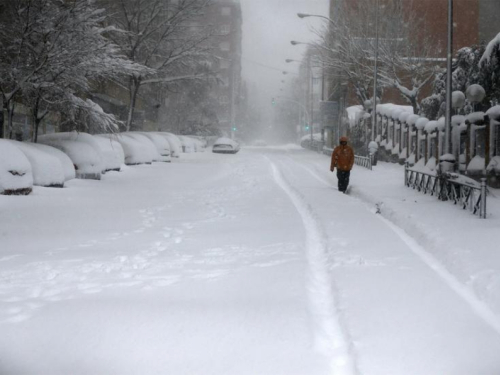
(251, 263)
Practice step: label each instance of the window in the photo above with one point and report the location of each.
(226, 11)
(224, 29)
(224, 46)
(224, 64)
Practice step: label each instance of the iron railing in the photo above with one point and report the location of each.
(465, 193)
(362, 161)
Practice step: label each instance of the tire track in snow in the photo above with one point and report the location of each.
(329, 333)
(479, 307)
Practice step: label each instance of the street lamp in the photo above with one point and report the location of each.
(310, 127)
(375, 76)
(305, 15)
(448, 80)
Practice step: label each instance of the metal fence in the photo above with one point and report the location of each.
(362, 161)
(467, 194)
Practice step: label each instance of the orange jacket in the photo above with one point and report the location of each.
(342, 158)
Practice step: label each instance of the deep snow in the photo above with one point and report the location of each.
(247, 264)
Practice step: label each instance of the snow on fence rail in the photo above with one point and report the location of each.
(463, 192)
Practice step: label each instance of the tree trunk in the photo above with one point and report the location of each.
(36, 121)
(134, 86)
(2, 120)
(10, 117)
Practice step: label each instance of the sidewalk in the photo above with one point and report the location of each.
(399, 309)
(467, 246)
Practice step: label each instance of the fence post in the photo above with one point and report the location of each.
(482, 213)
(406, 173)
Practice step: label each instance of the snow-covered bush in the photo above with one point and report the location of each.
(15, 170)
(46, 168)
(112, 154)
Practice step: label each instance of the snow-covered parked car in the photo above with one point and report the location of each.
(66, 163)
(83, 150)
(146, 142)
(135, 151)
(112, 154)
(225, 146)
(174, 142)
(46, 168)
(199, 144)
(161, 144)
(15, 170)
(187, 144)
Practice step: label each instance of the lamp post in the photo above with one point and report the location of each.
(449, 79)
(375, 76)
(311, 86)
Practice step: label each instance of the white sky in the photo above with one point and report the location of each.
(268, 28)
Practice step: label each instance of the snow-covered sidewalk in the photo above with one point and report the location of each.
(401, 309)
(246, 264)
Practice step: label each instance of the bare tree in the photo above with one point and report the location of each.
(406, 58)
(162, 35)
(54, 51)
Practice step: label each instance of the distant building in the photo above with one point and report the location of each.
(475, 21)
(226, 15)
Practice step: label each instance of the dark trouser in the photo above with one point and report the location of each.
(343, 177)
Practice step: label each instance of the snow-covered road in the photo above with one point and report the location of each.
(227, 264)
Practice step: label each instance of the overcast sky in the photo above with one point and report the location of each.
(268, 28)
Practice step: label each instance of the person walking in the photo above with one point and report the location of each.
(343, 159)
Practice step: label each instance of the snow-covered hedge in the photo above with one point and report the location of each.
(46, 168)
(15, 170)
(112, 153)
